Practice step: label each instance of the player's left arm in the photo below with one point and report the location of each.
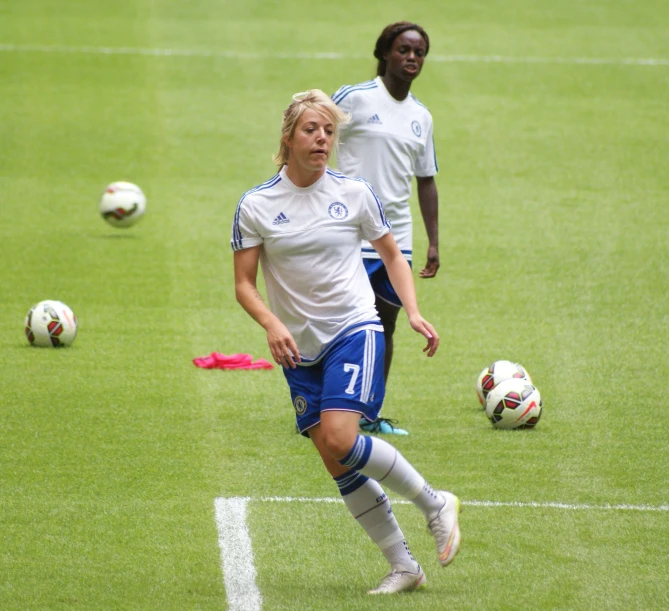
(401, 278)
(429, 208)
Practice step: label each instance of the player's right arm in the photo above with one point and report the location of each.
(280, 341)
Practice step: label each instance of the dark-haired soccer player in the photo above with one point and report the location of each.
(389, 141)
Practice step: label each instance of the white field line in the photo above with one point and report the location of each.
(239, 572)
(500, 59)
(472, 503)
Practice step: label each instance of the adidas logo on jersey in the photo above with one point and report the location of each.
(374, 119)
(280, 220)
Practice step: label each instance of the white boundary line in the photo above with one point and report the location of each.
(479, 59)
(473, 503)
(239, 573)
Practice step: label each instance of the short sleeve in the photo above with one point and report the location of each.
(244, 231)
(426, 164)
(374, 224)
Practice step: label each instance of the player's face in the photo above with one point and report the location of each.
(406, 56)
(312, 141)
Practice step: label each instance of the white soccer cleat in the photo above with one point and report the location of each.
(400, 581)
(445, 530)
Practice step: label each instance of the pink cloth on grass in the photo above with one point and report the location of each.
(216, 360)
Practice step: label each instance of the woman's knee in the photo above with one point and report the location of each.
(329, 460)
(339, 441)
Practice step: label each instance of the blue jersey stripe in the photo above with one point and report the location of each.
(371, 250)
(384, 220)
(335, 173)
(236, 231)
(345, 94)
(342, 92)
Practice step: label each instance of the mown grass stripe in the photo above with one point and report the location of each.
(501, 59)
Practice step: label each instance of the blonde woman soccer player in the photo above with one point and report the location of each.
(305, 227)
(388, 142)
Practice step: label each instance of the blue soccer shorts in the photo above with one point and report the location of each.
(378, 277)
(349, 377)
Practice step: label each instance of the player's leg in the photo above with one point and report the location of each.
(363, 497)
(349, 370)
(369, 505)
(379, 460)
(388, 313)
(354, 382)
(388, 306)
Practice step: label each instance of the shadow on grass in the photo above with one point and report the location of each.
(116, 236)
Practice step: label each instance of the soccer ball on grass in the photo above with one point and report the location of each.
(122, 204)
(514, 403)
(492, 375)
(51, 323)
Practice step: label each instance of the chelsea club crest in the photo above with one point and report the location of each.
(338, 211)
(415, 127)
(300, 405)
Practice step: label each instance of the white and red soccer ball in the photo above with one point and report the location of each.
(508, 396)
(122, 204)
(514, 403)
(494, 373)
(50, 324)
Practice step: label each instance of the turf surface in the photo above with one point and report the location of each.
(554, 223)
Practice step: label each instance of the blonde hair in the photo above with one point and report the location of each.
(316, 100)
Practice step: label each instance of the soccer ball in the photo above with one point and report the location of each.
(122, 204)
(499, 370)
(51, 323)
(514, 403)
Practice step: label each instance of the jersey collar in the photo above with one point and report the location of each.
(386, 93)
(293, 187)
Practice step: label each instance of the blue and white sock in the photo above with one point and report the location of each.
(371, 508)
(380, 461)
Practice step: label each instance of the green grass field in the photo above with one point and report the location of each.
(551, 132)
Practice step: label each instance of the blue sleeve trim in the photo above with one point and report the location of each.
(344, 91)
(236, 231)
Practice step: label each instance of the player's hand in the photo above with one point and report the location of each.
(282, 345)
(432, 265)
(420, 325)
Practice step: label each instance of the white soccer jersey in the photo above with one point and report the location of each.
(387, 143)
(310, 256)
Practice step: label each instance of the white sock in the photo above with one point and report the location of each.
(429, 501)
(371, 508)
(400, 558)
(379, 460)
